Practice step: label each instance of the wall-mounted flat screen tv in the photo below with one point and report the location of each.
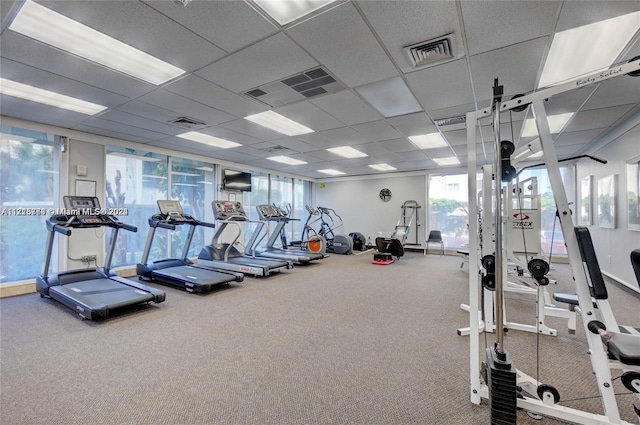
(236, 180)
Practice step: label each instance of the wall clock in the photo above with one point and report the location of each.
(385, 195)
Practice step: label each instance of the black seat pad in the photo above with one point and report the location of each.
(564, 297)
(625, 348)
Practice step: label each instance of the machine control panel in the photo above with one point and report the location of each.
(172, 211)
(228, 210)
(270, 212)
(83, 211)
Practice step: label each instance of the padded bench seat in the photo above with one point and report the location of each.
(625, 348)
(565, 297)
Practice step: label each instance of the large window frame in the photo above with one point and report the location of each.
(29, 194)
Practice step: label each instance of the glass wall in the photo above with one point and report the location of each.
(29, 191)
(136, 180)
(448, 208)
(192, 185)
(281, 194)
(551, 237)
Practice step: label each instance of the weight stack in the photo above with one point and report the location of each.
(501, 380)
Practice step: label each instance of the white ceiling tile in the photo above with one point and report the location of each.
(577, 13)
(107, 132)
(182, 106)
(37, 112)
(577, 137)
(123, 128)
(278, 57)
(230, 135)
(403, 23)
(45, 80)
(295, 145)
(141, 122)
(492, 25)
(308, 114)
(341, 40)
(412, 125)
(399, 145)
(413, 155)
(203, 91)
(596, 118)
(347, 107)
(254, 130)
(229, 25)
(516, 68)
(344, 136)
(442, 86)
(146, 110)
(376, 131)
(616, 91)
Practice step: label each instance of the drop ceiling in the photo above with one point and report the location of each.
(229, 48)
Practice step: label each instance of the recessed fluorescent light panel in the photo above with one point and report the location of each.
(281, 124)
(429, 141)
(390, 97)
(556, 124)
(57, 30)
(332, 172)
(288, 11)
(382, 167)
(208, 140)
(450, 160)
(286, 160)
(347, 152)
(588, 48)
(35, 94)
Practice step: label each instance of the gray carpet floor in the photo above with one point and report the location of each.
(338, 342)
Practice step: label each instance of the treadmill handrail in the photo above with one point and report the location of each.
(61, 229)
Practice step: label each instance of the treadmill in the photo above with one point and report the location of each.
(271, 213)
(180, 272)
(93, 293)
(225, 255)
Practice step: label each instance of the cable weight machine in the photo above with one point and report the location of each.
(506, 387)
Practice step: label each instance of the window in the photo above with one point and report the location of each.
(281, 194)
(192, 185)
(301, 198)
(449, 208)
(29, 191)
(551, 237)
(135, 180)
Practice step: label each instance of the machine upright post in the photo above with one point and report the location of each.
(497, 178)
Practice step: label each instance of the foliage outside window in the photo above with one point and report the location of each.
(449, 208)
(29, 190)
(135, 180)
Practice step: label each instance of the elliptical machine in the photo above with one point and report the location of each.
(336, 243)
(310, 239)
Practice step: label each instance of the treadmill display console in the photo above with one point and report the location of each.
(228, 210)
(172, 210)
(85, 209)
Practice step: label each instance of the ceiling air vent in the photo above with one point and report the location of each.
(461, 119)
(296, 88)
(276, 149)
(188, 123)
(430, 52)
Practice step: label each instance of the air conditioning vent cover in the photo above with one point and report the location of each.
(431, 52)
(295, 88)
(188, 123)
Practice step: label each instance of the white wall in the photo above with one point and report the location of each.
(360, 207)
(85, 241)
(613, 246)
